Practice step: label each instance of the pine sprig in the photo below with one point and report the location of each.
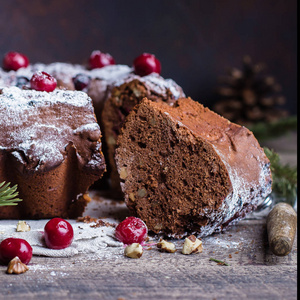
(267, 130)
(8, 195)
(284, 177)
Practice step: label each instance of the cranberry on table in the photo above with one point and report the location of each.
(12, 247)
(42, 81)
(131, 230)
(99, 59)
(14, 61)
(146, 64)
(81, 81)
(58, 234)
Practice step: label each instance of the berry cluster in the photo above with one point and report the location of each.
(143, 65)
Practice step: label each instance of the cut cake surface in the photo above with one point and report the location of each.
(185, 169)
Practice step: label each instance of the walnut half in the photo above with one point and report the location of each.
(15, 266)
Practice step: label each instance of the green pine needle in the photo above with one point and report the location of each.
(264, 130)
(220, 262)
(8, 195)
(284, 177)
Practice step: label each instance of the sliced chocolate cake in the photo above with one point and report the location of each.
(123, 96)
(185, 169)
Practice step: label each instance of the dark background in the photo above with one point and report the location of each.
(196, 41)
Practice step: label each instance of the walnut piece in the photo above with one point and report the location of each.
(87, 197)
(15, 266)
(123, 173)
(142, 192)
(22, 226)
(192, 245)
(134, 250)
(132, 197)
(166, 246)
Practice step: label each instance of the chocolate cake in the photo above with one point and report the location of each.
(50, 146)
(185, 169)
(103, 85)
(64, 73)
(123, 95)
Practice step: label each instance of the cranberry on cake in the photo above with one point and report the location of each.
(71, 77)
(50, 146)
(123, 95)
(185, 169)
(14, 61)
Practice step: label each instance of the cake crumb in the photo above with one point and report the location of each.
(100, 223)
(86, 219)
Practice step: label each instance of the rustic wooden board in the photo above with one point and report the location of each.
(254, 272)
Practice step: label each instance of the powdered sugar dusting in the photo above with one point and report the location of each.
(64, 72)
(110, 72)
(155, 83)
(25, 99)
(242, 193)
(160, 84)
(87, 127)
(102, 79)
(40, 124)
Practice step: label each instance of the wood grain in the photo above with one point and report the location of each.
(254, 272)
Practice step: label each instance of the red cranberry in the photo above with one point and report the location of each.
(58, 233)
(42, 81)
(146, 64)
(131, 230)
(99, 59)
(81, 82)
(14, 61)
(12, 247)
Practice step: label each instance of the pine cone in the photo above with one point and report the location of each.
(249, 96)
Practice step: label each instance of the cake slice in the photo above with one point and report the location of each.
(185, 169)
(123, 95)
(50, 146)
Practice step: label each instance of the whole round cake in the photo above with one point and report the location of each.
(50, 146)
(184, 169)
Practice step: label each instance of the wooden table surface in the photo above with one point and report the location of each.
(253, 271)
